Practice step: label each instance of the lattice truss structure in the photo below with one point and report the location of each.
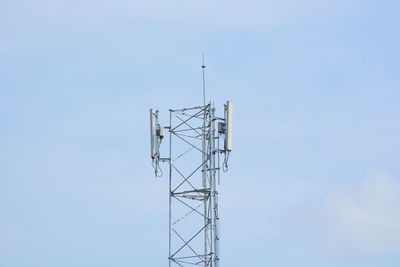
(194, 170)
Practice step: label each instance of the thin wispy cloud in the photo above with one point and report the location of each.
(360, 217)
(364, 217)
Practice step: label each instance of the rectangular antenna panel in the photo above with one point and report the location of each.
(228, 126)
(153, 137)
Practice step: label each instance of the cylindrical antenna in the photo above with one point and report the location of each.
(203, 67)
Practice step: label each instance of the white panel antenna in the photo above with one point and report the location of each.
(153, 137)
(228, 126)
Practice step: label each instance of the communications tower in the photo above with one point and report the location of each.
(199, 143)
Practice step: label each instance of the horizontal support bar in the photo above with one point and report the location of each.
(204, 191)
(184, 109)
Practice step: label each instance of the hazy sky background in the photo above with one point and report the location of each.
(314, 177)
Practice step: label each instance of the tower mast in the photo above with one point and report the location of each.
(193, 195)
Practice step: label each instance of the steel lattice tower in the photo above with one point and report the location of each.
(194, 160)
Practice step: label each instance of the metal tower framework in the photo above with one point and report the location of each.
(194, 159)
(193, 195)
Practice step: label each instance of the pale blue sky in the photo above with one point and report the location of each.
(314, 178)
